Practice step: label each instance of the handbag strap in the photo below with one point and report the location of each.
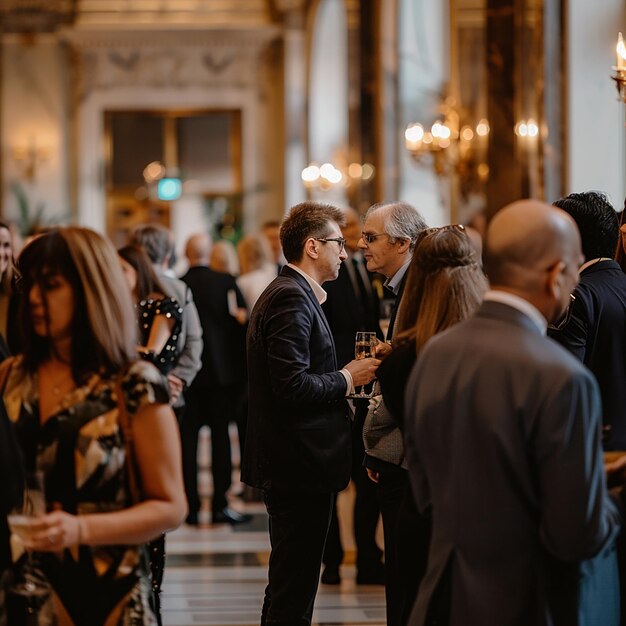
(127, 431)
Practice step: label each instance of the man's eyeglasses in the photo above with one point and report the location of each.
(340, 240)
(371, 237)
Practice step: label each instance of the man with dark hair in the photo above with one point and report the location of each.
(298, 442)
(503, 445)
(594, 329)
(271, 231)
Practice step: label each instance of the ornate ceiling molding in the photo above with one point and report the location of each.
(112, 38)
(35, 16)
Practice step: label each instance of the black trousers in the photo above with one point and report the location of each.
(392, 488)
(366, 512)
(298, 524)
(208, 406)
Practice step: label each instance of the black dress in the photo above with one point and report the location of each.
(148, 310)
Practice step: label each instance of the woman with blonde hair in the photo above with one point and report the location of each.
(224, 258)
(445, 284)
(93, 420)
(7, 297)
(257, 269)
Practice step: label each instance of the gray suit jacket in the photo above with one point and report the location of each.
(503, 445)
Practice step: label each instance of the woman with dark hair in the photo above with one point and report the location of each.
(445, 284)
(159, 317)
(94, 420)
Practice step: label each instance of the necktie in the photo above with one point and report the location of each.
(361, 287)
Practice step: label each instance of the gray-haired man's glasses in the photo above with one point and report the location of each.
(371, 237)
(340, 240)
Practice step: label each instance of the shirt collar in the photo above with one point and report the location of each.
(591, 262)
(393, 283)
(523, 306)
(318, 292)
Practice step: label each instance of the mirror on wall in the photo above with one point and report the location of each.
(154, 158)
(480, 100)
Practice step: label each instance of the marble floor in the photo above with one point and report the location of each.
(216, 575)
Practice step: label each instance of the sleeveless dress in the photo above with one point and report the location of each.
(80, 450)
(147, 311)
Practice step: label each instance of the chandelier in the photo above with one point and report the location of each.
(620, 69)
(329, 175)
(35, 16)
(453, 146)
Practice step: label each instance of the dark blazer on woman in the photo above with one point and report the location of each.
(298, 425)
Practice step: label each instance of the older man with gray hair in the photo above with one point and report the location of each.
(387, 241)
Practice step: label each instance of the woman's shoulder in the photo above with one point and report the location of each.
(143, 384)
(162, 305)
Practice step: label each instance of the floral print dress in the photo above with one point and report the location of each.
(80, 450)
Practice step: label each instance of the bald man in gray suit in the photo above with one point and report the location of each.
(503, 443)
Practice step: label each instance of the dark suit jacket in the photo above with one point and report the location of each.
(596, 334)
(223, 354)
(347, 314)
(503, 444)
(298, 436)
(396, 305)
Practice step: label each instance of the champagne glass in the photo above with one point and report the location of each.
(364, 348)
(28, 599)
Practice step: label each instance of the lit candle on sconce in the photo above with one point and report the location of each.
(620, 50)
(413, 136)
(620, 68)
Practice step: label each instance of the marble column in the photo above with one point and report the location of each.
(295, 89)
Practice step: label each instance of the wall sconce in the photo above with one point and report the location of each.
(620, 69)
(29, 156)
(452, 147)
(328, 176)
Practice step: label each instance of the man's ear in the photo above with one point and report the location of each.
(553, 280)
(310, 248)
(403, 245)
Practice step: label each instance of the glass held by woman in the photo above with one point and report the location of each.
(65, 393)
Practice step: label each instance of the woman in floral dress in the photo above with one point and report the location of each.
(66, 395)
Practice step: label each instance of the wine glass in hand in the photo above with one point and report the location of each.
(364, 348)
(24, 520)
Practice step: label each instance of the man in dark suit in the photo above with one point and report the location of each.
(298, 444)
(594, 329)
(503, 444)
(213, 397)
(389, 235)
(352, 305)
